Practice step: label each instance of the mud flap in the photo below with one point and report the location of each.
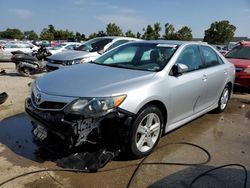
(87, 161)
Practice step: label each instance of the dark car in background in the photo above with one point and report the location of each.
(240, 57)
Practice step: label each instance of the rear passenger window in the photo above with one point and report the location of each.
(191, 57)
(210, 56)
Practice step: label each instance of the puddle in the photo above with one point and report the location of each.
(16, 134)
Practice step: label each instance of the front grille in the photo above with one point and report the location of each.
(55, 61)
(48, 105)
(238, 69)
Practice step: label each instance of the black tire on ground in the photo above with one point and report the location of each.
(151, 135)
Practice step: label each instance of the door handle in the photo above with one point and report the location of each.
(204, 77)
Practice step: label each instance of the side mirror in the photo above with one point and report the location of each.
(179, 69)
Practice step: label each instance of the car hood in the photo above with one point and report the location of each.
(71, 55)
(91, 80)
(239, 62)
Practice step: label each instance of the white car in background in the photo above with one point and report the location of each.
(64, 47)
(5, 50)
(88, 51)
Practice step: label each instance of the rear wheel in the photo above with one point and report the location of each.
(146, 132)
(223, 101)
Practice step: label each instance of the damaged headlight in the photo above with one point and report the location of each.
(94, 106)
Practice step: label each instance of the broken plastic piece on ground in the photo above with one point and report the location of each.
(3, 97)
(87, 161)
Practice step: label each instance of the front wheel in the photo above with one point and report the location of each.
(223, 101)
(145, 132)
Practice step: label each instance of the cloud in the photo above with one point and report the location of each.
(103, 5)
(126, 22)
(24, 13)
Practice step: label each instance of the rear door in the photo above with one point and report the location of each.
(188, 91)
(216, 74)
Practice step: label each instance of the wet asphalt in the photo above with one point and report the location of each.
(225, 136)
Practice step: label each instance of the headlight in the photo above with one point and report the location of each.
(94, 106)
(76, 61)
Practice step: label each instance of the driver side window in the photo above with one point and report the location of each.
(191, 57)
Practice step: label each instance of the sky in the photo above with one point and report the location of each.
(88, 16)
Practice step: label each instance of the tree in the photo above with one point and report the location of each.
(46, 35)
(101, 34)
(152, 33)
(30, 35)
(185, 33)
(170, 32)
(157, 29)
(219, 32)
(11, 34)
(113, 30)
(80, 37)
(129, 33)
(138, 35)
(51, 29)
(92, 35)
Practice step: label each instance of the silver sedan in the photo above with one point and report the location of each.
(133, 94)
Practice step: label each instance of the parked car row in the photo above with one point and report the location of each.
(86, 52)
(131, 95)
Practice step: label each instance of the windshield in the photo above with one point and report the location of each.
(138, 56)
(94, 45)
(57, 47)
(239, 52)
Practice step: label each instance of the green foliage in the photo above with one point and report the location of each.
(101, 34)
(51, 33)
(185, 33)
(129, 33)
(152, 33)
(46, 35)
(113, 30)
(30, 35)
(92, 35)
(219, 32)
(11, 34)
(138, 35)
(80, 37)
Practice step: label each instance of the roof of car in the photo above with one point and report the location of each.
(172, 42)
(119, 37)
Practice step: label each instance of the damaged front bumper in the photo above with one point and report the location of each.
(109, 128)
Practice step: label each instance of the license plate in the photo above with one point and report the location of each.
(40, 132)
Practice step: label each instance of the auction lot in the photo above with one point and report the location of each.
(225, 136)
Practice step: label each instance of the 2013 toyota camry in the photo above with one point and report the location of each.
(132, 95)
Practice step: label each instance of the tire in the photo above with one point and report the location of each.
(143, 137)
(223, 101)
(24, 71)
